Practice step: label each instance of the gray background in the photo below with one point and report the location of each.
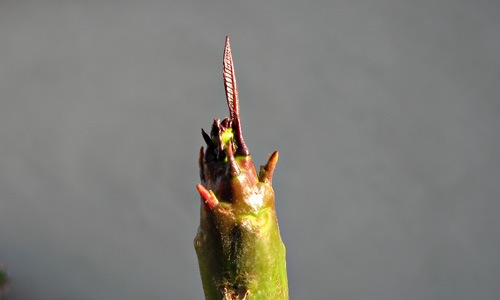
(386, 114)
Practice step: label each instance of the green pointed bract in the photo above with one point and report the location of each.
(238, 244)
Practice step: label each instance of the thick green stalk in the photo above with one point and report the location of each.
(238, 244)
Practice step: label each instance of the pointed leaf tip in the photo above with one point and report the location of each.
(230, 85)
(209, 198)
(207, 138)
(232, 98)
(266, 172)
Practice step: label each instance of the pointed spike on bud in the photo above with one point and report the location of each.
(266, 172)
(207, 138)
(209, 198)
(232, 167)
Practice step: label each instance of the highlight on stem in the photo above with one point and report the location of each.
(238, 243)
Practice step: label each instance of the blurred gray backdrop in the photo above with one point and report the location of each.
(386, 114)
